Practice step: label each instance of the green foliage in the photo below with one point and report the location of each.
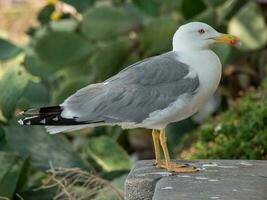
(60, 49)
(44, 15)
(239, 133)
(107, 23)
(7, 49)
(109, 155)
(40, 194)
(109, 58)
(249, 25)
(93, 44)
(155, 38)
(150, 7)
(107, 193)
(64, 25)
(192, 8)
(80, 4)
(69, 88)
(36, 94)
(12, 86)
(11, 171)
(43, 149)
(224, 52)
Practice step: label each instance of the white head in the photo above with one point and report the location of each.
(199, 36)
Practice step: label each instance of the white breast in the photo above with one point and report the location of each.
(207, 66)
(209, 69)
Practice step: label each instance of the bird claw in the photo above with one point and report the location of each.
(180, 168)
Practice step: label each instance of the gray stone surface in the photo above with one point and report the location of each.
(217, 179)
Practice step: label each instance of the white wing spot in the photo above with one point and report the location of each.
(20, 122)
(28, 123)
(55, 118)
(42, 121)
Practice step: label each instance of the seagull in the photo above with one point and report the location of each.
(151, 93)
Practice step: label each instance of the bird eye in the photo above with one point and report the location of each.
(201, 31)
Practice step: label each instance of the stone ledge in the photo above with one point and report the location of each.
(217, 179)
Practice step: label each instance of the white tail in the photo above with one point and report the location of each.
(59, 129)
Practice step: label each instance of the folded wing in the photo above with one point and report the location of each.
(134, 93)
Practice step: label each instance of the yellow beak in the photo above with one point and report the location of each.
(227, 38)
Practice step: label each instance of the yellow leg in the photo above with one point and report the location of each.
(155, 136)
(171, 166)
(163, 142)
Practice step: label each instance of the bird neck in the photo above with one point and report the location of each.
(182, 44)
(185, 49)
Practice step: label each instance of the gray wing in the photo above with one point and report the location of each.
(135, 92)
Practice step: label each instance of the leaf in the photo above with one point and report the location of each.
(113, 174)
(170, 6)
(239, 132)
(108, 154)
(213, 3)
(157, 35)
(43, 148)
(11, 169)
(191, 8)
(7, 49)
(3, 120)
(59, 49)
(65, 25)
(109, 58)
(207, 16)
(37, 94)
(2, 139)
(150, 7)
(105, 23)
(44, 15)
(227, 10)
(119, 182)
(224, 52)
(249, 25)
(175, 132)
(108, 194)
(80, 5)
(36, 66)
(70, 88)
(12, 86)
(40, 194)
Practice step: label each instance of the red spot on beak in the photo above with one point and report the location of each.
(234, 41)
(227, 39)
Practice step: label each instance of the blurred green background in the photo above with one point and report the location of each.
(49, 49)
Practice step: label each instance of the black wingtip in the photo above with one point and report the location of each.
(39, 116)
(46, 116)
